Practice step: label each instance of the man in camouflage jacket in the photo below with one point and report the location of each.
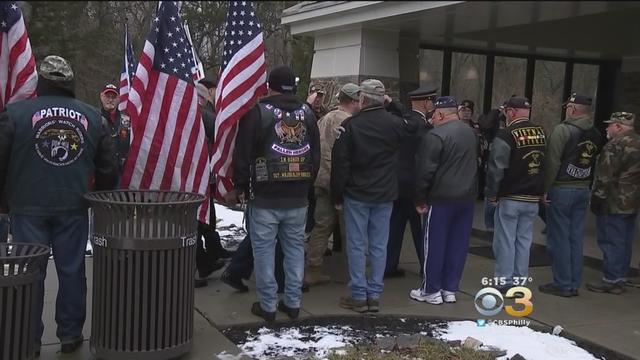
(616, 199)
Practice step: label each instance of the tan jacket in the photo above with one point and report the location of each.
(328, 126)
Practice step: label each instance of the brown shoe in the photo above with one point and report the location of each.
(314, 276)
(347, 302)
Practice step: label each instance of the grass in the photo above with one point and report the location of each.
(426, 350)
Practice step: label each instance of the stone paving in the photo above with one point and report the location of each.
(608, 320)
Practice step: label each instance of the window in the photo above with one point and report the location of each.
(509, 76)
(585, 81)
(431, 67)
(467, 78)
(548, 85)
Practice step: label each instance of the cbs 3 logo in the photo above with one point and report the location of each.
(489, 301)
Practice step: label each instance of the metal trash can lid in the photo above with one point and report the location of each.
(17, 258)
(144, 197)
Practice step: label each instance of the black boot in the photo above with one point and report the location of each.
(257, 310)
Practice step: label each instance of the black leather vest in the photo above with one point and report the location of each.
(286, 147)
(579, 155)
(524, 179)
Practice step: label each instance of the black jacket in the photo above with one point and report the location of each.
(248, 147)
(407, 154)
(364, 157)
(209, 121)
(120, 133)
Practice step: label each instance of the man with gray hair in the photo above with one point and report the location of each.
(571, 155)
(364, 180)
(445, 191)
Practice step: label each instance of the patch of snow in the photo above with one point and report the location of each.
(226, 216)
(531, 344)
(226, 356)
(230, 226)
(293, 342)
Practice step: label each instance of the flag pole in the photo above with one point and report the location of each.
(196, 60)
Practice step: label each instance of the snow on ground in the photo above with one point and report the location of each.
(532, 345)
(227, 217)
(230, 226)
(299, 342)
(293, 342)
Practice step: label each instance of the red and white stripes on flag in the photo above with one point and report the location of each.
(127, 73)
(169, 148)
(242, 80)
(18, 76)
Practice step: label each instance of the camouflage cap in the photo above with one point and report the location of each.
(373, 87)
(56, 68)
(319, 88)
(621, 117)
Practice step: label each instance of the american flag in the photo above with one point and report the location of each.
(169, 148)
(128, 71)
(18, 76)
(242, 80)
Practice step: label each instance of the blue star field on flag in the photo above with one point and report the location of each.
(242, 27)
(173, 54)
(9, 15)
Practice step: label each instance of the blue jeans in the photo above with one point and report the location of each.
(4, 227)
(287, 225)
(566, 216)
(489, 214)
(67, 237)
(367, 236)
(615, 238)
(512, 238)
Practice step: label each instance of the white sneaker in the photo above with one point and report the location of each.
(449, 296)
(435, 298)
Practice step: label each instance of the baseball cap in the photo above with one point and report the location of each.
(282, 79)
(621, 117)
(517, 103)
(319, 88)
(578, 99)
(444, 102)
(56, 68)
(373, 87)
(109, 88)
(351, 90)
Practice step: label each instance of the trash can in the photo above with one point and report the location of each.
(144, 246)
(20, 264)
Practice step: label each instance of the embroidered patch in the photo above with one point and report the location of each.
(528, 136)
(290, 134)
(59, 141)
(291, 152)
(534, 158)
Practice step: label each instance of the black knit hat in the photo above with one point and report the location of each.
(282, 79)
